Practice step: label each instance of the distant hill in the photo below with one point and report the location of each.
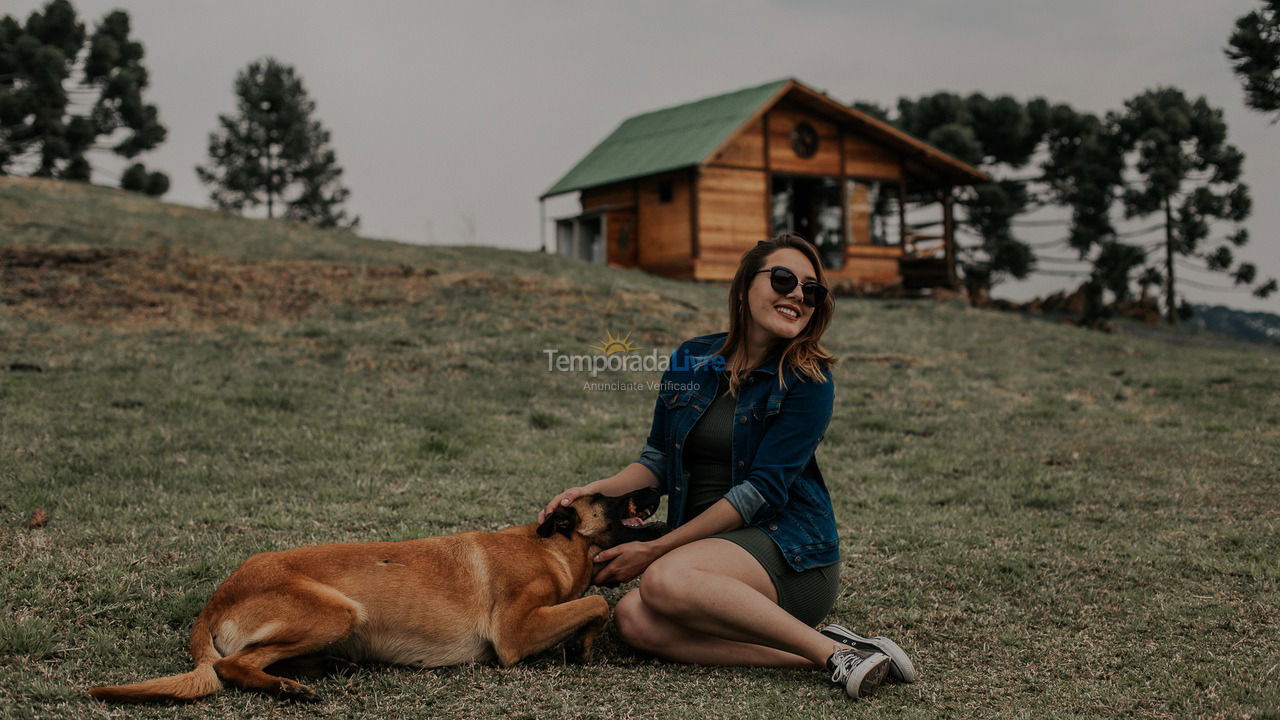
(1253, 326)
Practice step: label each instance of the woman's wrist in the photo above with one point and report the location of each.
(663, 545)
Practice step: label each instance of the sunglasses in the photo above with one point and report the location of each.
(784, 281)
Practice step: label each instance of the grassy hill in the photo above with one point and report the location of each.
(1053, 522)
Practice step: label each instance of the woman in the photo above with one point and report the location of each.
(751, 564)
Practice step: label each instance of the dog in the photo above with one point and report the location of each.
(473, 596)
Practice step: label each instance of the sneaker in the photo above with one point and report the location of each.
(900, 669)
(859, 673)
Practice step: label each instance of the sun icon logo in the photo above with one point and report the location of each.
(615, 344)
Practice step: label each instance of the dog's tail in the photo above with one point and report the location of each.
(186, 686)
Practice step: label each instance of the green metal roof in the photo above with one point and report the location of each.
(662, 140)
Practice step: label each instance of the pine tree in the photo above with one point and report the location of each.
(1189, 175)
(65, 93)
(998, 135)
(272, 152)
(1254, 51)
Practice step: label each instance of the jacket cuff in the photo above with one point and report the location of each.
(747, 500)
(654, 459)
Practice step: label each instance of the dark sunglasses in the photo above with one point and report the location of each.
(784, 281)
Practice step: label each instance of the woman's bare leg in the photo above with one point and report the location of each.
(645, 630)
(710, 602)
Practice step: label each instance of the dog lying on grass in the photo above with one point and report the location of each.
(438, 601)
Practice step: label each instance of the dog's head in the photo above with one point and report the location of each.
(607, 521)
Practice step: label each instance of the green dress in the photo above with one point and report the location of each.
(708, 456)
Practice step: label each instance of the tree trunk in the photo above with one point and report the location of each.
(1171, 312)
(271, 183)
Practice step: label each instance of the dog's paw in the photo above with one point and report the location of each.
(296, 692)
(577, 651)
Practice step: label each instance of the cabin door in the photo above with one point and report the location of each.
(620, 227)
(811, 207)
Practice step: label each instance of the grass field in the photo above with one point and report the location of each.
(1053, 522)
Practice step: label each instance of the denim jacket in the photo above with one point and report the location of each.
(776, 484)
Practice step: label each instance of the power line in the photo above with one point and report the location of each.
(1041, 223)
(1048, 243)
(1066, 261)
(1062, 273)
(1139, 233)
(1214, 288)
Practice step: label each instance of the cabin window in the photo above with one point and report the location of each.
(665, 191)
(873, 213)
(804, 140)
(811, 207)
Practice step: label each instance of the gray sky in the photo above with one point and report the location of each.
(451, 118)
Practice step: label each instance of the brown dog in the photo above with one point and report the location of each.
(431, 602)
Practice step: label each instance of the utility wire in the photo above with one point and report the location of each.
(1140, 233)
(1214, 288)
(1041, 223)
(1062, 273)
(1065, 261)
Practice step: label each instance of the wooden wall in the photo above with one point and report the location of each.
(732, 218)
(665, 230)
(621, 194)
(745, 150)
(865, 159)
(869, 265)
(733, 193)
(782, 120)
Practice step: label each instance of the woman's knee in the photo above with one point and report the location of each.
(669, 588)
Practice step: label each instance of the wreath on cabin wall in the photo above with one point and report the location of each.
(804, 140)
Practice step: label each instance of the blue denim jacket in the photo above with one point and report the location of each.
(776, 483)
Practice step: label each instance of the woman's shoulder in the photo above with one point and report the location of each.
(700, 346)
(799, 382)
(706, 341)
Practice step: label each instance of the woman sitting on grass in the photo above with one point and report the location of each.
(751, 565)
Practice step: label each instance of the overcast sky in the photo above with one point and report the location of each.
(451, 118)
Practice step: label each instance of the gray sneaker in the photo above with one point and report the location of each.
(858, 672)
(900, 670)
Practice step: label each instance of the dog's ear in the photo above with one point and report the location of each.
(564, 521)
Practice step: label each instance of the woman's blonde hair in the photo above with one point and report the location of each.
(803, 352)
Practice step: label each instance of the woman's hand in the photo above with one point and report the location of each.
(625, 562)
(560, 500)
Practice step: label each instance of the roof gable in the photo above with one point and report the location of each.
(668, 139)
(687, 135)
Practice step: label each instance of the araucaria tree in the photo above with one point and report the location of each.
(1254, 51)
(65, 92)
(272, 152)
(999, 135)
(1188, 174)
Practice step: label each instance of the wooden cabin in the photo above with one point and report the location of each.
(683, 192)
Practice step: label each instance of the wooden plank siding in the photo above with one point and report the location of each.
(664, 229)
(617, 195)
(865, 159)
(866, 265)
(733, 200)
(745, 150)
(731, 219)
(783, 119)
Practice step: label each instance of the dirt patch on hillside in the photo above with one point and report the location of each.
(173, 286)
(165, 287)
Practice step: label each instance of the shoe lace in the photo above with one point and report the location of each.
(844, 661)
